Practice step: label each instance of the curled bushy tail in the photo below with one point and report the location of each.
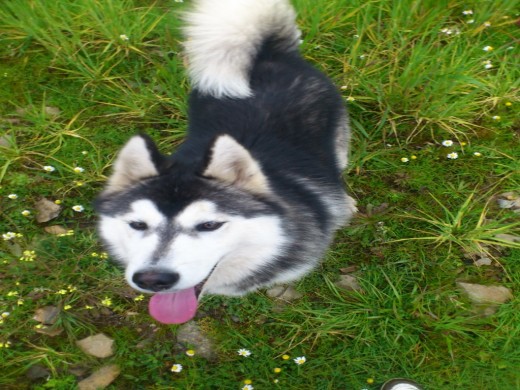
(223, 38)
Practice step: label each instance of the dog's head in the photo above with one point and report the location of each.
(180, 231)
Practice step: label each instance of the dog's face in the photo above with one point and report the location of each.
(177, 233)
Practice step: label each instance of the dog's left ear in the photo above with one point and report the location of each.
(138, 160)
(232, 164)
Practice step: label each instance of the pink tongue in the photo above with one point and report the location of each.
(174, 308)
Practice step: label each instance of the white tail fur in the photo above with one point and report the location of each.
(223, 37)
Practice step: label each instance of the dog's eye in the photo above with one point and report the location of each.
(208, 226)
(138, 225)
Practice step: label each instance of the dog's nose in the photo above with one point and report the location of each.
(155, 280)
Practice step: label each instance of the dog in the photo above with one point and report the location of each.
(254, 194)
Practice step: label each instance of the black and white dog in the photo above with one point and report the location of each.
(254, 195)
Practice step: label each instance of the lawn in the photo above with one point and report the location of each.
(432, 90)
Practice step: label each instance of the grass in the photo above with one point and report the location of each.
(77, 79)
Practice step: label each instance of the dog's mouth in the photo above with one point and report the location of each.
(179, 306)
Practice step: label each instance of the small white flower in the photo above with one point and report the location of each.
(356, 36)
(477, 154)
(487, 48)
(12, 196)
(5, 314)
(78, 208)
(79, 170)
(300, 360)
(487, 24)
(496, 117)
(404, 159)
(248, 387)
(488, 66)
(26, 213)
(124, 37)
(447, 142)
(453, 155)
(49, 168)
(176, 368)
(468, 12)
(351, 99)
(84, 152)
(362, 56)
(471, 21)
(244, 352)
(8, 236)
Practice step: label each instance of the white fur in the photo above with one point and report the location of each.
(132, 246)
(239, 247)
(223, 36)
(133, 163)
(233, 164)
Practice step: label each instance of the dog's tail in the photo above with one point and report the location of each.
(223, 38)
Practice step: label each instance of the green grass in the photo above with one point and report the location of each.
(72, 91)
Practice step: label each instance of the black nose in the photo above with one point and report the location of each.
(155, 280)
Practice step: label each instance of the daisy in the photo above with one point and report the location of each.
(124, 37)
(8, 236)
(12, 196)
(247, 387)
(467, 12)
(300, 360)
(190, 352)
(244, 352)
(477, 154)
(26, 213)
(350, 99)
(453, 155)
(471, 21)
(447, 142)
(496, 117)
(487, 64)
(176, 368)
(78, 208)
(487, 48)
(79, 170)
(404, 159)
(49, 168)
(5, 314)
(487, 24)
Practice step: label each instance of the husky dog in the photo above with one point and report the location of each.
(254, 195)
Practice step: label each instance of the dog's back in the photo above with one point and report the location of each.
(251, 82)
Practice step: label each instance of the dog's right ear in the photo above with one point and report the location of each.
(138, 160)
